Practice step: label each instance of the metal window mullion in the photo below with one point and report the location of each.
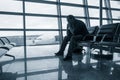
(108, 11)
(86, 11)
(24, 34)
(60, 36)
(59, 21)
(100, 12)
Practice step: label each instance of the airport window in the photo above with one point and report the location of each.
(14, 36)
(93, 2)
(11, 6)
(115, 14)
(42, 37)
(76, 11)
(115, 4)
(11, 21)
(92, 11)
(40, 8)
(41, 22)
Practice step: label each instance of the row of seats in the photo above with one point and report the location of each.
(5, 46)
(107, 37)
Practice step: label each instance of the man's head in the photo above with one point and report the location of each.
(70, 18)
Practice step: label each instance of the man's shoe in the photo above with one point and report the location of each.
(67, 58)
(59, 54)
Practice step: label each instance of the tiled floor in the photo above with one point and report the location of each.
(43, 65)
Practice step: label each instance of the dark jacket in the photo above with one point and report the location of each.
(78, 28)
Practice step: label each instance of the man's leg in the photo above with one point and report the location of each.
(63, 46)
(73, 44)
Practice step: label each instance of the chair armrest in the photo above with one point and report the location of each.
(114, 38)
(2, 51)
(89, 37)
(3, 47)
(13, 44)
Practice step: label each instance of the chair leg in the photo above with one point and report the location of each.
(10, 56)
(1, 69)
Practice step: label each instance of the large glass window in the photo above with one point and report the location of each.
(93, 12)
(94, 22)
(41, 23)
(42, 37)
(11, 5)
(11, 21)
(13, 67)
(115, 4)
(13, 36)
(40, 8)
(116, 14)
(116, 21)
(76, 11)
(93, 2)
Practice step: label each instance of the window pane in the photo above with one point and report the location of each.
(97, 22)
(114, 21)
(11, 21)
(76, 11)
(115, 4)
(116, 14)
(94, 12)
(105, 22)
(94, 22)
(64, 23)
(64, 33)
(40, 8)
(93, 2)
(41, 23)
(11, 5)
(13, 36)
(72, 1)
(17, 67)
(104, 14)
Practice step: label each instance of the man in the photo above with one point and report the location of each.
(76, 30)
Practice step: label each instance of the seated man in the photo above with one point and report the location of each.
(76, 30)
